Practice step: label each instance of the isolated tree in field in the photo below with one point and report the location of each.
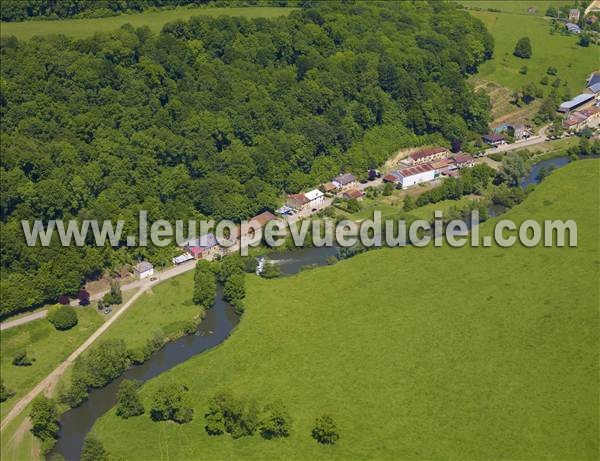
(552, 70)
(545, 80)
(21, 359)
(44, 418)
(552, 12)
(170, 403)
(128, 401)
(325, 430)
(93, 450)
(228, 414)
(276, 422)
(5, 393)
(62, 317)
(523, 70)
(84, 297)
(584, 40)
(523, 48)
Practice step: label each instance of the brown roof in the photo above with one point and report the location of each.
(427, 152)
(589, 111)
(300, 198)
(353, 193)
(462, 158)
(413, 170)
(258, 220)
(439, 164)
(328, 187)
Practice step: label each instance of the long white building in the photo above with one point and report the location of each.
(416, 175)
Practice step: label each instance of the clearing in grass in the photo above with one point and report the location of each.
(434, 353)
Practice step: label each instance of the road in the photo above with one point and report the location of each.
(158, 276)
(540, 138)
(53, 377)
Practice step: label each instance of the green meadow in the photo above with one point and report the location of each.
(432, 353)
(155, 20)
(574, 63)
(167, 307)
(514, 6)
(47, 345)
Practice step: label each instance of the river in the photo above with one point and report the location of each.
(214, 329)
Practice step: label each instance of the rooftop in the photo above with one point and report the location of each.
(413, 170)
(462, 158)
(204, 241)
(427, 152)
(493, 137)
(300, 198)
(143, 266)
(313, 194)
(344, 179)
(595, 88)
(579, 99)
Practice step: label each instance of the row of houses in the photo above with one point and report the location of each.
(343, 185)
(585, 118)
(425, 172)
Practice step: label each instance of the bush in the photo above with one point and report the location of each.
(63, 299)
(62, 317)
(5, 393)
(271, 271)
(231, 415)
(114, 296)
(21, 359)
(276, 423)
(325, 430)
(128, 402)
(205, 285)
(84, 297)
(44, 418)
(170, 403)
(523, 48)
(93, 450)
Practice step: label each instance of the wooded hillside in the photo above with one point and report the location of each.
(216, 117)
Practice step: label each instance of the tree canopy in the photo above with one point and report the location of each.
(216, 117)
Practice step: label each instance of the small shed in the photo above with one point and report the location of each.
(143, 270)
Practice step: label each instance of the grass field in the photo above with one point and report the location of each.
(154, 19)
(514, 6)
(167, 307)
(435, 353)
(573, 62)
(48, 345)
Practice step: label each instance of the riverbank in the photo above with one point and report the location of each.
(394, 344)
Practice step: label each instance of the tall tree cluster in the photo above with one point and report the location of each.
(215, 117)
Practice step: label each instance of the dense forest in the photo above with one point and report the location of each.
(216, 117)
(20, 10)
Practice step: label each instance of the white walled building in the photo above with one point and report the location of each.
(315, 198)
(143, 270)
(416, 175)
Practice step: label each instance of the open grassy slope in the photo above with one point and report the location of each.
(154, 19)
(49, 347)
(167, 307)
(574, 63)
(431, 353)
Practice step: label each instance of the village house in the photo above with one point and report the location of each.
(296, 201)
(415, 175)
(249, 229)
(143, 270)
(427, 155)
(204, 247)
(578, 102)
(353, 194)
(345, 181)
(328, 188)
(574, 15)
(463, 161)
(582, 119)
(493, 139)
(315, 198)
